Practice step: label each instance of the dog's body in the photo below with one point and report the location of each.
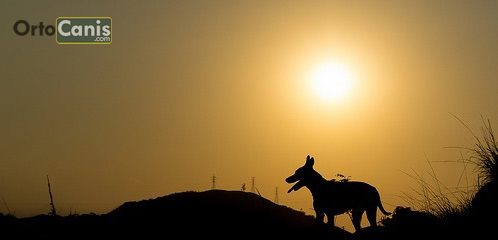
(334, 198)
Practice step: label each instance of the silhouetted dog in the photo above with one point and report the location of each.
(336, 197)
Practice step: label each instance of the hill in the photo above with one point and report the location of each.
(190, 215)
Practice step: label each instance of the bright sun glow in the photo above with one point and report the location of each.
(331, 81)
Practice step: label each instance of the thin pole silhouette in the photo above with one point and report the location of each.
(52, 205)
(5, 203)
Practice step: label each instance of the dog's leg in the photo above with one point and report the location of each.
(372, 216)
(320, 215)
(356, 218)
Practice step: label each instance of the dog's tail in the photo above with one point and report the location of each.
(381, 208)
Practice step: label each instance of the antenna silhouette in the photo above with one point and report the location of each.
(253, 186)
(213, 181)
(276, 195)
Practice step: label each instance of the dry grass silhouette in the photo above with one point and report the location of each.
(434, 197)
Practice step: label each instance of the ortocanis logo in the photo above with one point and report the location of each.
(84, 30)
(71, 30)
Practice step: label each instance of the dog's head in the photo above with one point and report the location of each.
(302, 174)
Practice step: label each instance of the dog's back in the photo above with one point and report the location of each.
(340, 197)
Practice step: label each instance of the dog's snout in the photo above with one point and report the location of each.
(291, 179)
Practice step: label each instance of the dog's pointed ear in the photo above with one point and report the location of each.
(310, 162)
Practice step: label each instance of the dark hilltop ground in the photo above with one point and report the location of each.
(215, 214)
(219, 214)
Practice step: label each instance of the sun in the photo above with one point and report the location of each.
(331, 82)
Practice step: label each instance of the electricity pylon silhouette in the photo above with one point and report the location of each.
(253, 187)
(276, 195)
(213, 182)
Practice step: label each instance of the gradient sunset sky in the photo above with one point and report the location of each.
(188, 89)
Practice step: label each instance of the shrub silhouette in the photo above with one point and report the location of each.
(463, 215)
(484, 206)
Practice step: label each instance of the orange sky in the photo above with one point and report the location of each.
(188, 89)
